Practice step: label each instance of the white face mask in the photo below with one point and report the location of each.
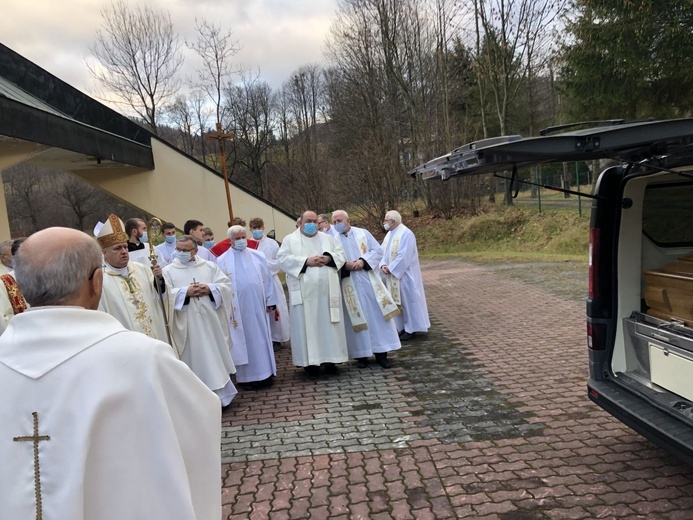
(182, 256)
(240, 244)
(386, 226)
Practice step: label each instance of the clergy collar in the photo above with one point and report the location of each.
(122, 271)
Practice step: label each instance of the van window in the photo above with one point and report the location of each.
(668, 214)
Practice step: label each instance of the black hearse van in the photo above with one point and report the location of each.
(640, 302)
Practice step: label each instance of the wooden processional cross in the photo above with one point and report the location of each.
(221, 137)
(35, 438)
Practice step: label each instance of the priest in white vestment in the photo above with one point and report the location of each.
(200, 298)
(402, 276)
(195, 229)
(165, 250)
(254, 301)
(279, 322)
(311, 261)
(368, 306)
(98, 422)
(324, 225)
(130, 290)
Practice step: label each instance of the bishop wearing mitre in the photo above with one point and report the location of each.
(130, 288)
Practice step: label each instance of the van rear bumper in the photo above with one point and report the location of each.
(652, 423)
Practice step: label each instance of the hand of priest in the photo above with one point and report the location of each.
(385, 269)
(314, 261)
(156, 269)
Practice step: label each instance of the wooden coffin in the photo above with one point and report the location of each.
(669, 291)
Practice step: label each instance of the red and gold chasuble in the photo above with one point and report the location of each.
(14, 294)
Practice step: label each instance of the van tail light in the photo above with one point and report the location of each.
(593, 289)
(596, 336)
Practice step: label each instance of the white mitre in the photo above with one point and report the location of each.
(112, 232)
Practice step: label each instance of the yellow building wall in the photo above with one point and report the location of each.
(178, 189)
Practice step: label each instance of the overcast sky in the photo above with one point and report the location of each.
(277, 36)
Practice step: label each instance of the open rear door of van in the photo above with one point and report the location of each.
(619, 140)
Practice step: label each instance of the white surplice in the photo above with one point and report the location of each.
(142, 256)
(130, 432)
(253, 292)
(317, 324)
(381, 334)
(199, 325)
(401, 256)
(130, 297)
(164, 252)
(279, 327)
(206, 254)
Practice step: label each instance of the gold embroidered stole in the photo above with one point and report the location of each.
(391, 281)
(385, 301)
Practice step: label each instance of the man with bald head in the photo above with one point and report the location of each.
(98, 422)
(311, 260)
(368, 305)
(401, 273)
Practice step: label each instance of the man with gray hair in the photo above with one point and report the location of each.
(200, 300)
(254, 301)
(402, 275)
(324, 225)
(368, 306)
(97, 422)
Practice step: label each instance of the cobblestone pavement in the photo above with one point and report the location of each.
(485, 417)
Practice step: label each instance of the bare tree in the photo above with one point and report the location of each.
(182, 114)
(26, 198)
(216, 49)
(514, 32)
(80, 198)
(138, 58)
(251, 107)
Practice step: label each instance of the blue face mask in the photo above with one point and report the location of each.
(257, 234)
(310, 228)
(240, 244)
(209, 244)
(182, 256)
(340, 227)
(170, 239)
(144, 237)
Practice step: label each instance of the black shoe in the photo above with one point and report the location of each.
(265, 383)
(312, 371)
(276, 346)
(362, 362)
(381, 359)
(406, 336)
(400, 332)
(331, 368)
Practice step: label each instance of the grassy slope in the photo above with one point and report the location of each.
(502, 233)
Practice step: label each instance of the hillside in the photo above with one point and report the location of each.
(512, 233)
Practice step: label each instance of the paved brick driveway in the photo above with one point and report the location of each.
(486, 417)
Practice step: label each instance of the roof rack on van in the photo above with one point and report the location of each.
(591, 124)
